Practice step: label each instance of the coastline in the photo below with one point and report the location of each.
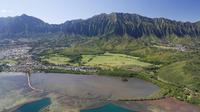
(30, 85)
(106, 102)
(14, 109)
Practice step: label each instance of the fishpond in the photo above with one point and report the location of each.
(67, 91)
(108, 108)
(34, 106)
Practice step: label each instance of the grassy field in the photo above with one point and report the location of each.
(108, 60)
(56, 59)
(181, 73)
(174, 73)
(159, 55)
(180, 69)
(8, 61)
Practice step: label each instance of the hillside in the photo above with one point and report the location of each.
(118, 24)
(185, 73)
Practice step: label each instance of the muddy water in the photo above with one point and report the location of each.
(69, 91)
(82, 85)
(13, 90)
(74, 92)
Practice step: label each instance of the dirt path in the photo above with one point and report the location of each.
(30, 85)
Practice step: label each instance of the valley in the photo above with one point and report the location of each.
(81, 64)
(167, 68)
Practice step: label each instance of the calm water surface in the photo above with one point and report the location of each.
(108, 108)
(34, 106)
(82, 85)
(68, 90)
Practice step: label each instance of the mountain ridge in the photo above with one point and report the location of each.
(103, 24)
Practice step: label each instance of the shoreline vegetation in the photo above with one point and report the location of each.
(92, 95)
(137, 58)
(160, 51)
(167, 90)
(143, 69)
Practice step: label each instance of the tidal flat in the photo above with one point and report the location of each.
(69, 91)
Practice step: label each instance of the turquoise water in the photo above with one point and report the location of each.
(108, 108)
(35, 106)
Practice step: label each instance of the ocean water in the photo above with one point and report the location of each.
(108, 108)
(35, 106)
(81, 85)
(14, 90)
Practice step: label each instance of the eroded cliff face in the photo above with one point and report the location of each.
(100, 25)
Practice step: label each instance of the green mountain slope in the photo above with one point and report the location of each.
(117, 24)
(184, 73)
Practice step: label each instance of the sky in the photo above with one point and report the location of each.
(59, 11)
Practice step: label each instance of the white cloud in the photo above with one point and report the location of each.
(5, 11)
